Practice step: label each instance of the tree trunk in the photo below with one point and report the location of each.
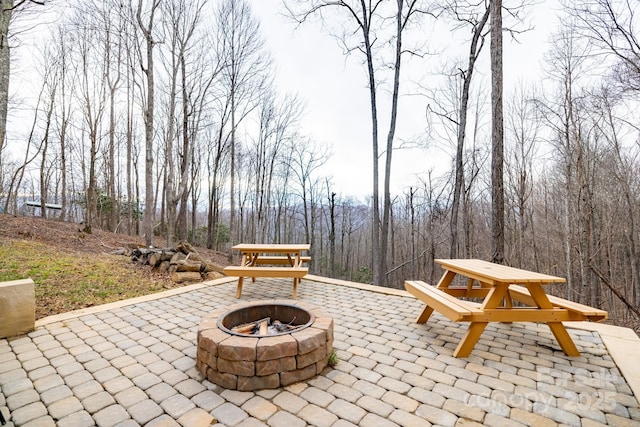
(113, 217)
(386, 217)
(45, 147)
(232, 186)
(149, 203)
(332, 235)
(497, 136)
(6, 10)
(181, 221)
(474, 51)
(375, 208)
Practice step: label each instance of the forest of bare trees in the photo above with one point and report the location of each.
(162, 118)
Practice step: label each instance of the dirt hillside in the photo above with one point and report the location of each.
(73, 269)
(69, 236)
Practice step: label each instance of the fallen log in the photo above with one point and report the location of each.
(178, 256)
(185, 276)
(154, 259)
(185, 248)
(141, 255)
(177, 262)
(208, 267)
(212, 275)
(164, 266)
(187, 265)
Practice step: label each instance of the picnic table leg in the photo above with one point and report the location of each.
(469, 339)
(558, 329)
(446, 279)
(564, 339)
(444, 283)
(239, 291)
(252, 260)
(424, 316)
(295, 287)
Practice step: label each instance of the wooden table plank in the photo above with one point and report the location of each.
(275, 248)
(490, 272)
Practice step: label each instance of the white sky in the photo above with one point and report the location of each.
(310, 62)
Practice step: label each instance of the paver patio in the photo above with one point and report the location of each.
(133, 363)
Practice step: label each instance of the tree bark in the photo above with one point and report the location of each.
(6, 10)
(497, 136)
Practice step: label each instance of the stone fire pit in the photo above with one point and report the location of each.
(247, 362)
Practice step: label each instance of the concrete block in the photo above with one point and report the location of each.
(17, 307)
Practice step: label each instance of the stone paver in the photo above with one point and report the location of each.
(196, 417)
(133, 364)
(65, 407)
(145, 411)
(76, 419)
(111, 416)
(175, 406)
(97, 401)
(229, 414)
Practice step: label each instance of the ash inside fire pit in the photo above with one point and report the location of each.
(239, 361)
(265, 320)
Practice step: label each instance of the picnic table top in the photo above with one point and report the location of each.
(490, 272)
(272, 247)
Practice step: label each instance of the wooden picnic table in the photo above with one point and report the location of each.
(499, 286)
(270, 260)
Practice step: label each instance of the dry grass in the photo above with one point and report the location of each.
(69, 280)
(72, 269)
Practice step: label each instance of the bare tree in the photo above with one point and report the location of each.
(307, 158)
(464, 15)
(332, 230)
(217, 166)
(146, 64)
(6, 11)
(523, 129)
(182, 23)
(362, 23)
(619, 165)
(18, 175)
(240, 49)
(7, 8)
(51, 82)
(360, 17)
(198, 77)
(611, 29)
(560, 112)
(66, 74)
(114, 53)
(92, 93)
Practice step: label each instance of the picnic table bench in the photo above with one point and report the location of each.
(499, 286)
(270, 260)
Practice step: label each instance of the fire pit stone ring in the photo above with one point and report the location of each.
(247, 362)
